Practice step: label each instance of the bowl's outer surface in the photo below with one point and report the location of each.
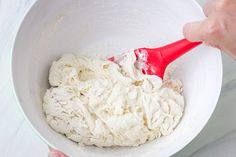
(90, 27)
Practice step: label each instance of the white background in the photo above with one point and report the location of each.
(17, 139)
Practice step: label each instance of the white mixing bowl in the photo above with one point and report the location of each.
(54, 27)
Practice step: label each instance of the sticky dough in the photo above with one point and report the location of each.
(98, 102)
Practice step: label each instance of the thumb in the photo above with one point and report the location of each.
(194, 31)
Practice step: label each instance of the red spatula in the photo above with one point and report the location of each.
(155, 60)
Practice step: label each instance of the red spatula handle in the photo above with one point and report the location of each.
(174, 50)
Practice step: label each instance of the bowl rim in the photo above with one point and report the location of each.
(13, 86)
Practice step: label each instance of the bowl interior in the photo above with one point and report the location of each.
(105, 27)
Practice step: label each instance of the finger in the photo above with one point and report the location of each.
(208, 7)
(214, 6)
(211, 30)
(194, 31)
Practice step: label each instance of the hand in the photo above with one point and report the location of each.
(218, 29)
(55, 153)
